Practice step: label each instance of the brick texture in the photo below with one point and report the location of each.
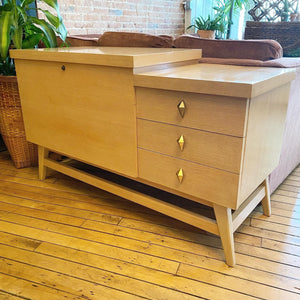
(98, 16)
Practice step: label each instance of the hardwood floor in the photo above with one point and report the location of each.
(62, 239)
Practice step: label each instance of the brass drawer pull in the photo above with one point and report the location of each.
(181, 108)
(180, 175)
(181, 142)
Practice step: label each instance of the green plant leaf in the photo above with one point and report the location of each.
(5, 7)
(32, 40)
(52, 3)
(216, 23)
(26, 2)
(19, 29)
(50, 35)
(17, 36)
(31, 28)
(54, 20)
(5, 27)
(62, 31)
(7, 67)
(22, 17)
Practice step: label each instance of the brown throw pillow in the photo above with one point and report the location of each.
(132, 39)
(80, 40)
(241, 49)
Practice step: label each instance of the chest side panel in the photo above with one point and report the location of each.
(84, 111)
(264, 134)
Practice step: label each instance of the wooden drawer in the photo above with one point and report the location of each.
(200, 181)
(211, 149)
(206, 112)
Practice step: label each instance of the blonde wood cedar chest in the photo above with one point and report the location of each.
(209, 133)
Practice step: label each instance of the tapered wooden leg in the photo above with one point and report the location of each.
(42, 153)
(224, 222)
(266, 201)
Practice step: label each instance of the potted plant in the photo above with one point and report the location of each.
(206, 27)
(21, 30)
(227, 8)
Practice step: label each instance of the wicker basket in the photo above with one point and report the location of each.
(23, 153)
(287, 34)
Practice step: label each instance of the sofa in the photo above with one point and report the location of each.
(254, 53)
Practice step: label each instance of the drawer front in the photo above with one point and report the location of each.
(203, 182)
(206, 112)
(211, 149)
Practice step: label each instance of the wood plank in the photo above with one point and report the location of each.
(246, 272)
(97, 275)
(26, 289)
(96, 242)
(200, 250)
(154, 237)
(101, 202)
(151, 275)
(18, 176)
(76, 215)
(131, 228)
(286, 192)
(281, 247)
(286, 208)
(286, 199)
(278, 210)
(102, 227)
(260, 223)
(269, 234)
(193, 258)
(8, 296)
(277, 219)
(107, 206)
(292, 182)
(83, 193)
(243, 286)
(115, 266)
(295, 177)
(90, 288)
(296, 171)
(80, 280)
(290, 188)
(81, 210)
(206, 263)
(11, 178)
(40, 214)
